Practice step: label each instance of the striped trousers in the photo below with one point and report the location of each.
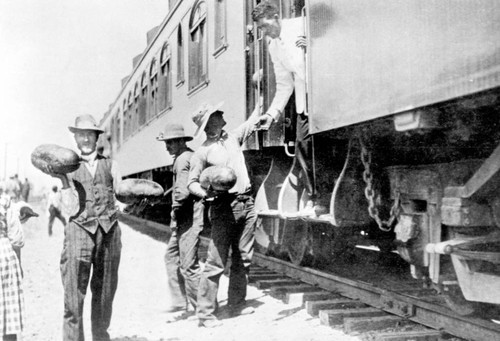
(83, 251)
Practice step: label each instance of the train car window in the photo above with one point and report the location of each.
(125, 119)
(130, 110)
(198, 62)
(180, 56)
(137, 122)
(144, 83)
(165, 79)
(117, 131)
(142, 105)
(153, 91)
(220, 39)
(136, 91)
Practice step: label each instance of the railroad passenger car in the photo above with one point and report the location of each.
(403, 103)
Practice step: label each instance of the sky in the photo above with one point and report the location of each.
(60, 59)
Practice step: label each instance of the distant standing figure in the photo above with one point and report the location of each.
(25, 190)
(54, 208)
(12, 187)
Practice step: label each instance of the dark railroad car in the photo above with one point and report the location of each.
(403, 100)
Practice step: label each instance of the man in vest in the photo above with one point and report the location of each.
(92, 238)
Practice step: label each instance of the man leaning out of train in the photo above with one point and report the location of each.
(232, 215)
(186, 223)
(287, 45)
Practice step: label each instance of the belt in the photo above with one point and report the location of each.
(229, 197)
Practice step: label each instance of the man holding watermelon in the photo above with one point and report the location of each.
(92, 243)
(232, 215)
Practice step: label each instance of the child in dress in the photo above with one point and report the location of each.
(12, 304)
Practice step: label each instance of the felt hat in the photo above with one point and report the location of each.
(202, 114)
(85, 122)
(173, 131)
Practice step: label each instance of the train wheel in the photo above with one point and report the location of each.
(298, 242)
(457, 302)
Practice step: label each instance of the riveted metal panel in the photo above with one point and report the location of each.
(372, 58)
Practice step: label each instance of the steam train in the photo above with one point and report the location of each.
(403, 103)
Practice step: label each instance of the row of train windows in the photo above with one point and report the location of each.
(153, 94)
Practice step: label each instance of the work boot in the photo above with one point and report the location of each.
(241, 310)
(212, 323)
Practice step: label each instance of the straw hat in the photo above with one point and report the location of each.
(85, 122)
(173, 131)
(202, 114)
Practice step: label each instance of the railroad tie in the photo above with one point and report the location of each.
(253, 278)
(267, 284)
(300, 298)
(313, 307)
(421, 335)
(281, 291)
(335, 317)
(365, 324)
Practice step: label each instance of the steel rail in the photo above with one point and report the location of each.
(428, 314)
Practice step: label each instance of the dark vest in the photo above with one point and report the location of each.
(97, 205)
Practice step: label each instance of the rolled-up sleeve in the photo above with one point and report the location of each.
(198, 164)
(182, 167)
(70, 203)
(247, 128)
(15, 231)
(284, 85)
(115, 173)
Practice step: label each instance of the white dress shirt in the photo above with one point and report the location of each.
(289, 67)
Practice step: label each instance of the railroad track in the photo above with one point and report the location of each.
(369, 309)
(402, 311)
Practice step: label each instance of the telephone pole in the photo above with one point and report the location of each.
(5, 162)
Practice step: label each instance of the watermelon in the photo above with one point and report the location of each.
(131, 191)
(221, 178)
(62, 160)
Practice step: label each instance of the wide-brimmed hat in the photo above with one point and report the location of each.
(202, 114)
(85, 122)
(173, 131)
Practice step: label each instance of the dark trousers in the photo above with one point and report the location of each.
(83, 251)
(181, 258)
(304, 154)
(53, 214)
(233, 227)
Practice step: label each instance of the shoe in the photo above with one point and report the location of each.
(312, 210)
(175, 309)
(213, 323)
(320, 210)
(179, 316)
(192, 317)
(238, 311)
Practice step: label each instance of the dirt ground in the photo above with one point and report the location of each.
(142, 297)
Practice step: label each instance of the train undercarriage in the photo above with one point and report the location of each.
(424, 184)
